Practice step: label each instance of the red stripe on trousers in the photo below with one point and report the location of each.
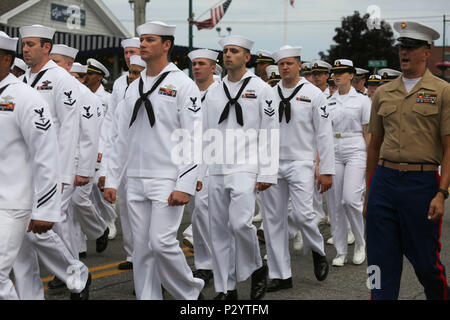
(441, 269)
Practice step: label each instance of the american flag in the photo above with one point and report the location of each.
(216, 14)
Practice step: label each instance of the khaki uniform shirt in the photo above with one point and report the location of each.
(412, 123)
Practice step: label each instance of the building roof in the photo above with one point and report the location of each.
(8, 5)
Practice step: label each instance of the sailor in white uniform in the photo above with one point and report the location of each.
(157, 109)
(305, 131)
(203, 68)
(30, 198)
(94, 77)
(359, 81)
(19, 68)
(131, 48)
(54, 247)
(242, 106)
(350, 112)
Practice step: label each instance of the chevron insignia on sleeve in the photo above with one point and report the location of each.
(269, 110)
(194, 107)
(42, 124)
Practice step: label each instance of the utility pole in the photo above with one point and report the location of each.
(191, 37)
(139, 13)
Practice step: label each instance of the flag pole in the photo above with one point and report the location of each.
(191, 37)
(286, 3)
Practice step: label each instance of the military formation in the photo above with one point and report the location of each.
(285, 139)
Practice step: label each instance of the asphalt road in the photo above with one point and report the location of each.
(345, 283)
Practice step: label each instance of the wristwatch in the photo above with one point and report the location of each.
(444, 192)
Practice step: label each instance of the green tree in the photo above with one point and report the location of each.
(356, 42)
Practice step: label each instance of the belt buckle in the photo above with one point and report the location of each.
(338, 135)
(403, 166)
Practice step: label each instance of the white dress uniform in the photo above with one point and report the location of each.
(57, 247)
(349, 113)
(107, 210)
(153, 176)
(87, 217)
(29, 171)
(307, 132)
(231, 187)
(109, 136)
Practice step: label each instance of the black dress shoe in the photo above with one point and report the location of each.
(127, 265)
(84, 294)
(279, 284)
(102, 242)
(320, 266)
(230, 295)
(56, 283)
(259, 283)
(82, 255)
(206, 275)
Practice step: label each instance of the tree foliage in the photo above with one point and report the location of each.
(356, 42)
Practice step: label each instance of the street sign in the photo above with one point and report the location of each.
(377, 63)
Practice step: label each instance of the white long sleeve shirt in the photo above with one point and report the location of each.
(104, 96)
(309, 130)
(60, 91)
(29, 164)
(260, 117)
(147, 151)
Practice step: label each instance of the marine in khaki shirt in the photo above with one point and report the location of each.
(412, 124)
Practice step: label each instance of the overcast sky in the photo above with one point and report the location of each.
(311, 24)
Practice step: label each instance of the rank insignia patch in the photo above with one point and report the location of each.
(69, 101)
(169, 91)
(45, 86)
(194, 106)
(42, 124)
(426, 97)
(303, 99)
(88, 115)
(269, 110)
(325, 114)
(7, 104)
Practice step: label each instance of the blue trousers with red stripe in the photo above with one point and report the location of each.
(397, 224)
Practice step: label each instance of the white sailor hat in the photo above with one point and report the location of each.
(37, 31)
(218, 70)
(19, 63)
(137, 60)
(131, 42)
(264, 56)
(93, 66)
(78, 68)
(7, 43)
(64, 50)
(343, 65)
(286, 52)
(374, 80)
(203, 53)
(388, 74)
(361, 73)
(413, 34)
(320, 66)
(157, 28)
(235, 40)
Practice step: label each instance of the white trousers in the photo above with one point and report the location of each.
(345, 199)
(127, 236)
(107, 210)
(157, 256)
(90, 220)
(201, 229)
(318, 205)
(13, 225)
(56, 258)
(231, 203)
(295, 180)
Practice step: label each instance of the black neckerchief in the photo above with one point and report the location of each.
(285, 103)
(234, 101)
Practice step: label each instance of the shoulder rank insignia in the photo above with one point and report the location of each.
(7, 104)
(43, 123)
(325, 114)
(69, 101)
(88, 115)
(426, 97)
(194, 107)
(269, 110)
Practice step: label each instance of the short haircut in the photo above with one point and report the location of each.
(11, 53)
(172, 43)
(44, 41)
